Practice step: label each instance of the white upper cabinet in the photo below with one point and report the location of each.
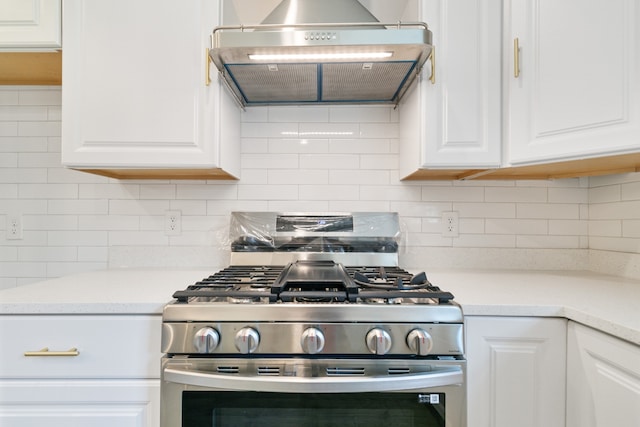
(578, 90)
(135, 102)
(452, 119)
(30, 25)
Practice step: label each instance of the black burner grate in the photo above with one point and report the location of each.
(314, 281)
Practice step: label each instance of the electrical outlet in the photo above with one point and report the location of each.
(14, 227)
(172, 223)
(450, 224)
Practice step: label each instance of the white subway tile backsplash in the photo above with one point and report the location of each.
(366, 177)
(485, 210)
(8, 191)
(109, 191)
(138, 207)
(548, 242)
(41, 96)
(109, 222)
(8, 129)
(455, 194)
(615, 210)
(630, 191)
(484, 241)
(285, 114)
(516, 226)
(368, 114)
(135, 238)
(378, 130)
(77, 238)
(357, 206)
(390, 192)
(568, 227)
(605, 194)
(516, 194)
(328, 130)
(329, 192)
(297, 176)
(268, 192)
(13, 113)
(631, 228)
(39, 128)
(608, 228)
(23, 144)
(615, 244)
(78, 207)
(270, 161)
(358, 146)
(329, 161)
(39, 160)
(308, 158)
(295, 145)
(379, 161)
(550, 211)
(48, 191)
(48, 253)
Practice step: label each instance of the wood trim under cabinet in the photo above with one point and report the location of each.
(624, 163)
(31, 68)
(206, 174)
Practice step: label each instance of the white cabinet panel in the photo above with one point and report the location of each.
(30, 25)
(516, 371)
(134, 88)
(603, 380)
(108, 347)
(104, 403)
(578, 90)
(113, 380)
(454, 120)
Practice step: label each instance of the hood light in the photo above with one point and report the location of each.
(319, 56)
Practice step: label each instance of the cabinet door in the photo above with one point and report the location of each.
(134, 87)
(578, 90)
(453, 121)
(516, 371)
(29, 403)
(30, 25)
(603, 380)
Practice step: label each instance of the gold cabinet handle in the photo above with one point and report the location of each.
(516, 58)
(207, 78)
(45, 352)
(433, 65)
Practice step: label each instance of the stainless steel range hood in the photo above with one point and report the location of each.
(320, 51)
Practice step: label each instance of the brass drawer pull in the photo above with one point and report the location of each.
(516, 57)
(45, 352)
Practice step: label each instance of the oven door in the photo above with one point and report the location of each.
(305, 393)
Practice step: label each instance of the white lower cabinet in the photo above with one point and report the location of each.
(80, 370)
(516, 371)
(603, 379)
(86, 403)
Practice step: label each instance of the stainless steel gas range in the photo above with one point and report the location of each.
(313, 324)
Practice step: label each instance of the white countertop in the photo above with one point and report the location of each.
(608, 303)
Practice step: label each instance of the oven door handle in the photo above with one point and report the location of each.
(291, 384)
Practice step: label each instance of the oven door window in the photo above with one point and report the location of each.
(249, 409)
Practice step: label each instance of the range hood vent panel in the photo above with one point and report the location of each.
(301, 80)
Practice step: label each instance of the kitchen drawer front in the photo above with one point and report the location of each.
(108, 346)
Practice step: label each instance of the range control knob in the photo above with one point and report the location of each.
(312, 340)
(378, 341)
(419, 341)
(247, 340)
(206, 340)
